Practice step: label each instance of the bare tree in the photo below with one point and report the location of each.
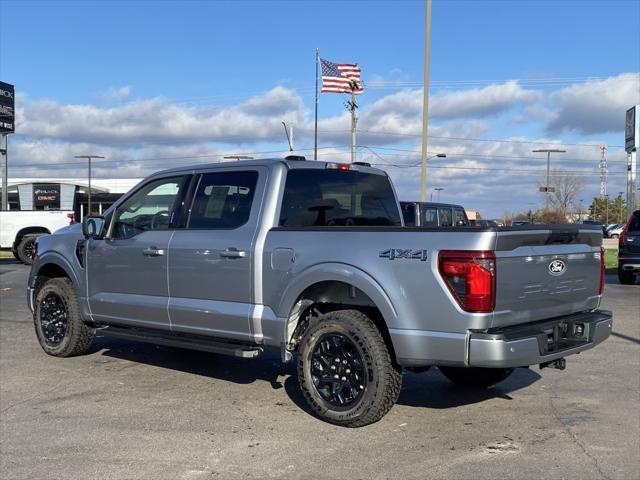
(566, 188)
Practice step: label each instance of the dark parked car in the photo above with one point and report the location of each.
(595, 222)
(629, 250)
(430, 214)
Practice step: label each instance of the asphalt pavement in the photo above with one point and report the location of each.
(132, 410)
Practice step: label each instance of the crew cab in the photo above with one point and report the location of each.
(312, 258)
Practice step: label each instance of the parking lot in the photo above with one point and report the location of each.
(131, 410)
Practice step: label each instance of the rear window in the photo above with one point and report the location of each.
(634, 223)
(318, 198)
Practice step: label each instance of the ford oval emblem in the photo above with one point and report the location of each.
(557, 267)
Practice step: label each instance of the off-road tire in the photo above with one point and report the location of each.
(383, 376)
(476, 377)
(77, 337)
(626, 277)
(26, 243)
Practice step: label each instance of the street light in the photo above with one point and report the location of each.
(438, 189)
(548, 151)
(238, 157)
(89, 157)
(423, 174)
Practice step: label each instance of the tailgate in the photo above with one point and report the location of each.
(545, 271)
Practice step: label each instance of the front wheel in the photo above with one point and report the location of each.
(475, 377)
(626, 277)
(345, 370)
(59, 326)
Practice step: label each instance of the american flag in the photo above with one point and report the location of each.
(340, 77)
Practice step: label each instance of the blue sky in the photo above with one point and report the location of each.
(203, 58)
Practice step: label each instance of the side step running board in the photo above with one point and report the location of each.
(181, 340)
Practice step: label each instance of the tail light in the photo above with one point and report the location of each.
(623, 233)
(602, 272)
(471, 278)
(72, 218)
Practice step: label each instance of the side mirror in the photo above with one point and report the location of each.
(93, 227)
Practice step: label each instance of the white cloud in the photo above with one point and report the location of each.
(117, 94)
(594, 107)
(158, 120)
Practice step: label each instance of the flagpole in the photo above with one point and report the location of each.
(315, 132)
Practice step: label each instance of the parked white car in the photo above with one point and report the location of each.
(19, 229)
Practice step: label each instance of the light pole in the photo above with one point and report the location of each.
(580, 210)
(621, 214)
(547, 189)
(89, 157)
(425, 104)
(438, 189)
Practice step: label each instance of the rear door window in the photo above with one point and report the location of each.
(315, 197)
(223, 200)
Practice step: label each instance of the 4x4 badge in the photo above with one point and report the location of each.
(394, 253)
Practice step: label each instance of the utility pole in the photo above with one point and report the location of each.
(621, 217)
(352, 105)
(425, 104)
(4, 154)
(603, 171)
(547, 189)
(89, 158)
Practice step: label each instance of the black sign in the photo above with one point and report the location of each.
(7, 108)
(46, 195)
(630, 130)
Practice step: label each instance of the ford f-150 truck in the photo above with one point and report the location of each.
(312, 258)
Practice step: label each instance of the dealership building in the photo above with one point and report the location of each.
(66, 193)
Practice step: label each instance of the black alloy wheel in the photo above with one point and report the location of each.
(338, 371)
(53, 319)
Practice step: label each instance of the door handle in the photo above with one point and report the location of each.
(153, 252)
(233, 253)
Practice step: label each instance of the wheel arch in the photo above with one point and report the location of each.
(328, 287)
(52, 265)
(29, 231)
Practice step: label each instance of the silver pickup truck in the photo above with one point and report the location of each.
(312, 258)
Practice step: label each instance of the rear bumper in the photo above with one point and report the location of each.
(539, 342)
(516, 346)
(629, 262)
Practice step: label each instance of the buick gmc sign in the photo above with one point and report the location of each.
(7, 108)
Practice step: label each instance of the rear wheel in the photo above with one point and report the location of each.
(345, 370)
(59, 326)
(26, 248)
(476, 377)
(626, 277)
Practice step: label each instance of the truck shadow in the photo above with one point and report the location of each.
(427, 390)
